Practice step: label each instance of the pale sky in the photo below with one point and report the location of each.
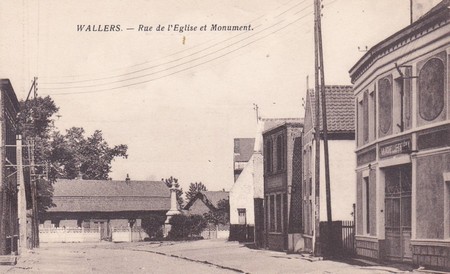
(178, 99)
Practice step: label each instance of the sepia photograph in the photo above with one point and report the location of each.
(240, 136)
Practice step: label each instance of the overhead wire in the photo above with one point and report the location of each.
(194, 66)
(162, 64)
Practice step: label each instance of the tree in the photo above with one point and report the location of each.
(221, 215)
(153, 225)
(174, 181)
(66, 155)
(194, 188)
(35, 123)
(91, 157)
(183, 227)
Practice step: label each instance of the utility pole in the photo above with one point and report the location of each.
(321, 73)
(317, 247)
(21, 198)
(411, 11)
(256, 108)
(35, 220)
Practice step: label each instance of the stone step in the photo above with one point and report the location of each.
(8, 260)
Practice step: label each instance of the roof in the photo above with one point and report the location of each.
(340, 108)
(402, 37)
(109, 196)
(6, 86)
(271, 123)
(243, 149)
(210, 198)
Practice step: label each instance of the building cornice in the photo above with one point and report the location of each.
(429, 23)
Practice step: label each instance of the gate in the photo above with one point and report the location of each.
(398, 213)
(343, 233)
(348, 237)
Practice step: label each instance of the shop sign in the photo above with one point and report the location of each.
(403, 146)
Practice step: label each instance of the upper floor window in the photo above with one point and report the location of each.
(431, 89)
(268, 156)
(280, 153)
(385, 105)
(365, 109)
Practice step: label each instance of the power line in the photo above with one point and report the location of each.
(185, 69)
(194, 66)
(176, 53)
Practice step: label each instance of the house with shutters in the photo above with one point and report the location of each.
(341, 143)
(401, 94)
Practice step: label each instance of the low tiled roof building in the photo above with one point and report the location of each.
(93, 203)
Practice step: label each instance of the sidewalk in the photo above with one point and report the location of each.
(232, 255)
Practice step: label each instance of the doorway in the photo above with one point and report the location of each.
(398, 213)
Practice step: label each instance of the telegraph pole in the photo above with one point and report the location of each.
(321, 73)
(33, 181)
(21, 198)
(317, 247)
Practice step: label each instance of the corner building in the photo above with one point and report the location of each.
(403, 144)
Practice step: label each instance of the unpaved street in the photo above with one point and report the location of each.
(205, 256)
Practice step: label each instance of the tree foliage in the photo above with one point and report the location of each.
(74, 154)
(66, 155)
(221, 215)
(194, 188)
(153, 226)
(174, 181)
(184, 227)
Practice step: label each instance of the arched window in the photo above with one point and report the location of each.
(431, 89)
(385, 104)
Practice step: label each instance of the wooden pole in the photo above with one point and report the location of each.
(317, 249)
(21, 198)
(325, 133)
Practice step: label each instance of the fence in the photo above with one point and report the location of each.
(68, 235)
(79, 234)
(128, 234)
(343, 233)
(348, 237)
(216, 232)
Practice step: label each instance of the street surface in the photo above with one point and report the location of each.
(204, 256)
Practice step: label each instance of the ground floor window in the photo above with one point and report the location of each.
(276, 209)
(242, 216)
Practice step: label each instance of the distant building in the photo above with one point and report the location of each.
(247, 193)
(9, 226)
(401, 88)
(282, 185)
(204, 202)
(105, 204)
(243, 151)
(341, 143)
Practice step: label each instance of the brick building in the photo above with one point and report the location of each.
(9, 226)
(282, 185)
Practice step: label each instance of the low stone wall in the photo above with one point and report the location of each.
(68, 235)
(128, 234)
(369, 247)
(79, 235)
(432, 254)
